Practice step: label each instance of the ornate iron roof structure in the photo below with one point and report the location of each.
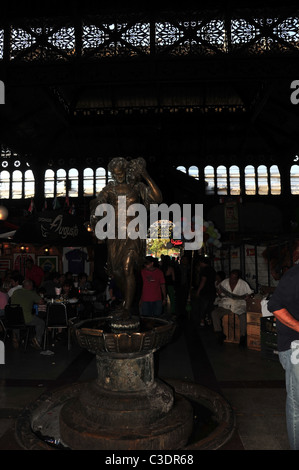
(193, 85)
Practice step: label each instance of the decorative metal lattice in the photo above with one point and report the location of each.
(108, 40)
(93, 37)
(202, 33)
(41, 42)
(243, 32)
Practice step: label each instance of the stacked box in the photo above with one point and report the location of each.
(253, 320)
(269, 338)
(231, 328)
(253, 304)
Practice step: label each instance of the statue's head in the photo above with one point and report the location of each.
(118, 168)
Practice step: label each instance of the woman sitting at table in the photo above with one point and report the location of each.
(83, 283)
(68, 291)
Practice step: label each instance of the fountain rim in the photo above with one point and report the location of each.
(165, 326)
(122, 339)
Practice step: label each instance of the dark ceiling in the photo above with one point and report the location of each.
(173, 105)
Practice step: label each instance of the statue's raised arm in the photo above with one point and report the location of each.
(137, 175)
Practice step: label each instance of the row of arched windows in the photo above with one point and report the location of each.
(66, 183)
(229, 181)
(220, 180)
(19, 184)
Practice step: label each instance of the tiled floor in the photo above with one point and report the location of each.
(254, 386)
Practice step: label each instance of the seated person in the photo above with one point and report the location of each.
(3, 299)
(69, 292)
(86, 306)
(16, 283)
(49, 283)
(26, 297)
(83, 283)
(233, 293)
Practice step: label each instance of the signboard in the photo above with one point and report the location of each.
(54, 227)
(231, 216)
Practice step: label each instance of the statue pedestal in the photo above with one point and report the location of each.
(126, 407)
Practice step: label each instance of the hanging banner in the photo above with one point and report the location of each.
(231, 216)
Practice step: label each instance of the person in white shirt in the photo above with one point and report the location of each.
(233, 293)
(16, 283)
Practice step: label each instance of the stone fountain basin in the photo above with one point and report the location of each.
(109, 413)
(97, 336)
(42, 417)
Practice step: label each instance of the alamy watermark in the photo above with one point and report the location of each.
(135, 221)
(295, 94)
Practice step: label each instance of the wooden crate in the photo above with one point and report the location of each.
(254, 342)
(254, 330)
(231, 328)
(253, 318)
(253, 304)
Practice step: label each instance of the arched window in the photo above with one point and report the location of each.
(234, 180)
(294, 179)
(221, 180)
(181, 168)
(193, 171)
(209, 179)
(49, 183)
(61, 183)
(73, 182)
(100, 179)
(88, 184)
(262, 180)
(109, 176)
(275, 184)
(29, 184)
(4, 184)
(17, 184)
(250, 185)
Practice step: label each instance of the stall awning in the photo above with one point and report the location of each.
(7, 229)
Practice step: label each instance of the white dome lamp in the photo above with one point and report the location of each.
(3, 213)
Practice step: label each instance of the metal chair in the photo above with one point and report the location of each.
(56, 318)
(14, 320)
(2, 327)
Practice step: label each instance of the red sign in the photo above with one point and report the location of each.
(176, 242)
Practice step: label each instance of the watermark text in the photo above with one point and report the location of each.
(135, 221)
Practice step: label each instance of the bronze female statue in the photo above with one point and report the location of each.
(125, 255)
